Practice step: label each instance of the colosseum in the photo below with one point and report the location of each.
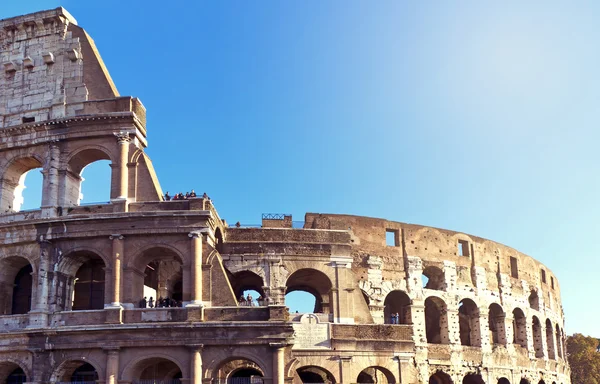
(394, 302)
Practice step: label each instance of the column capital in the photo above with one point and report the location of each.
(111, 350)
(278, 345)
(195, 234)
(195, 347)
(116, 236)
(122, 137)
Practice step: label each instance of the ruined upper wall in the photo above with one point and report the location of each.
(435, 246)
(50, 68)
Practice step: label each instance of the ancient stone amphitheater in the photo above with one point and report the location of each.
(394, 302)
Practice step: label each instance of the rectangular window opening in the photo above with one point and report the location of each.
(391, 237)
(543, 276)
(552, 281)
(28, 119)
(514, 267)
(463, 248)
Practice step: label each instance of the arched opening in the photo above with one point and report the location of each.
(469, 325)
(16, 284)
(397, 308)
(440, 378)
(534, 301)
(246, 283)
(88, 291)
(541, 382)
(436, 321)
(94, 186)
(22, 185)
(309, 281)
(496, 320)
(473, 378)
(375, 375)
(98, 176)
(157, 370)
(434, 278)
(503, 380)
(219, 240)
(550, 340)
(559, 342)
(537, 337)
(11, 373)
(519, 328)
(238, 370)
(524, 381)
(366, 297)
(315, 375)
(76, 371)
(157, 279)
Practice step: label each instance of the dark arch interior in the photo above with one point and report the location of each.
(434, 278)
(433, 319)
(85, 373)
(89, 285)
(375, 375)
(246, 281)
(503, 380)
(162, 279)
(245, 376)
(17, 376)
(397, 308)
(159, 371)
(21, 298)
(468, 316)
(534, 301)
(219, 240)
(315, 375)
(440, 378)
(473, 378)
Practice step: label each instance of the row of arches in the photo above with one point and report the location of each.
(441, 377)
(23, 180)
(398, 307)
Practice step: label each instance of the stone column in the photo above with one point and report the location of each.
(341, 304)
(39, 315)
(196, 252)
(112, 366)
(196, 364)
(278, 363)
(50, 189)
(123, 139)
(117, 269)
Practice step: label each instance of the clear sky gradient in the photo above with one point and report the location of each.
(473, 116)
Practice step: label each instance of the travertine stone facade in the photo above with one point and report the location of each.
(394, 302)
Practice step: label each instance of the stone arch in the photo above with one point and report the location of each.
(10, 366)
(160, 365)
(13, 180)
(436, 279)
(63, 371)
(211, 370)
(440, 377)
(559, 342)
(399, 302)
(436, 320)
(16, 285)
(524, 381)
(376, 374)
(315, 374)
(469, 324)
(219, 240)
(81, 276)
(473, 378)
(314, 282)
(246, 280)
(154, 270)
(519, 328)
(70, 190)
(237, 366)
(550, 340)
(496, 323)
(503, 380)
(536, 328)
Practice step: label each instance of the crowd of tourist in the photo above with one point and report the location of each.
(248, 301)
(181, 196)
(166, 302)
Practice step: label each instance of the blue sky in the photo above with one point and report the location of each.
(472, 116)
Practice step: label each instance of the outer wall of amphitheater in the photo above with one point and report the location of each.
(394, 302)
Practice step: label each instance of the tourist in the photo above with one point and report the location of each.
(151, 302)
(192, 194)
(249, 300)
(167, 197)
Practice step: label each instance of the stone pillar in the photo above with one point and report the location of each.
(50, 188)
(417, 317)
(117, 269)
(340, 299)
(449, 328)
(345, 369)
(39, 315)
(196, 364)
(278, 363)
(123, 139)
(112, 366)
(196, 268)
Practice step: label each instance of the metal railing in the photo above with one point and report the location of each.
(245, 380)
(274, 216)
(157, 381)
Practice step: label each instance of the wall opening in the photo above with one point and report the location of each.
(11, 373)
(519, 328)
(88, 291)
(313, 282)
(534, 301)
(247, 282)
(302, 302)
(16, 283)
(543, 274)
(514, 267)
(552, 281)
(391, 238)
(245, 376)
(434, 278)
(473, 378)
(28, 195)
(86, 373)
(550, 340)
(397, 308)
(375, 375)
(537, 337)
(94, 185)
(559, 343)
(162, 283)
(463, 248)
(315, 375)
(22, 188)
(156, 370)
(76, 371)
(16, 377)
(440, 378)
(436, 321)
(503, 380)
(496, 320)
(469, 325)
